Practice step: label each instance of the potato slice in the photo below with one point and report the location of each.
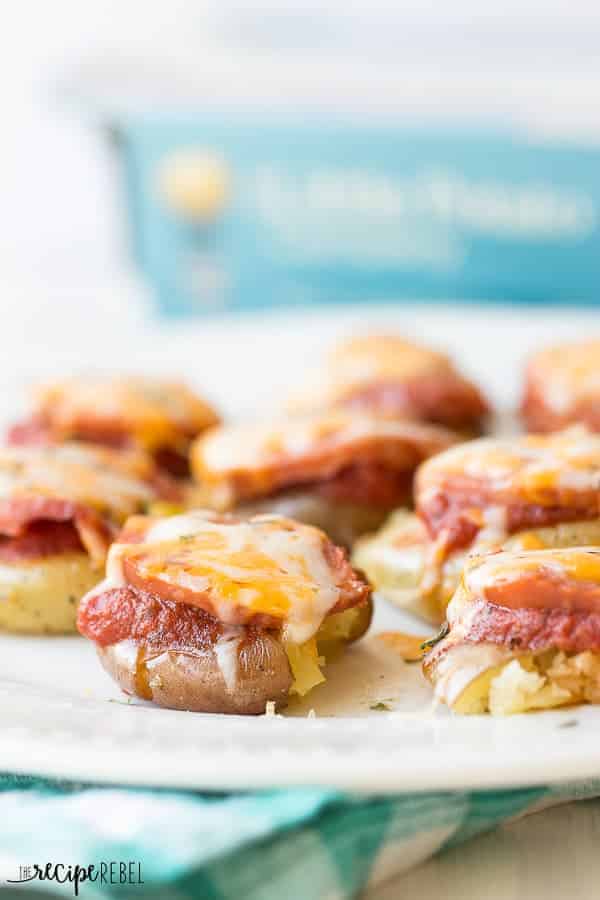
(461, 672)
(474, 679)
(394, 561)
(343, 628)
(567, 534)
(41, 596)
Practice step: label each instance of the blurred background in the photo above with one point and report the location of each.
(182, 158)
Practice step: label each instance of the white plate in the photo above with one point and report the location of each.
(62, 716)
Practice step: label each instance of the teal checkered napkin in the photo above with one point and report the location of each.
(261, 846)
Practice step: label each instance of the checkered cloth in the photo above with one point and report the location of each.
(260, 846)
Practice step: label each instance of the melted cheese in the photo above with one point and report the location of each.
(573, 563)
(154, 412)
(361, 361)
(267, 564)
(529, 465)
(384, 357)
(106, 480)
(567, 373)
(227, 655)
(253, 448)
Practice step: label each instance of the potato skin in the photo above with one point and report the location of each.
(41, 596)
(340, 629)
(193, 679)
(344, 523)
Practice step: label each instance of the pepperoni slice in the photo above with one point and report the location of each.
(122, 614)
(37, 431)
(175, 581)
(18, 514)
(562, 386)
(530, 600)
(358, 458)
(535, 629)
(30, 432)
(39, 540)
(523, 482)
(444, 398)
(369, 484)
(265, 571)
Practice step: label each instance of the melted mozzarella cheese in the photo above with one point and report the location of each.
(384, 356)
(154, 411)
(253, 447)
(103, 479)
(528, 464)
(573, 563)
(264, 565)
(567, 373)
(227, 655)
(361, 361)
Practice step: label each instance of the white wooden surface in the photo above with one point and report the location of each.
(548, 856)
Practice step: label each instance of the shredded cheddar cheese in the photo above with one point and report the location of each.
(106, 480)
(266, 565)
(153, 412)
(362, 360)
(536, 468)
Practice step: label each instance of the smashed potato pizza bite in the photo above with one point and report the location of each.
(562, 387)
(212, 613)
(60, 507)
(388, 376)
(518, 493)
(158, 416)
(395, 561)
(522, 633)
(341, 472)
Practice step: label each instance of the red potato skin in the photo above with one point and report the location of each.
(191, 680)
(175, 664)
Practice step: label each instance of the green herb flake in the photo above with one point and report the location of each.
(427, 645)
(381, 707)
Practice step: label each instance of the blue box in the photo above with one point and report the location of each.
(233, 214)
